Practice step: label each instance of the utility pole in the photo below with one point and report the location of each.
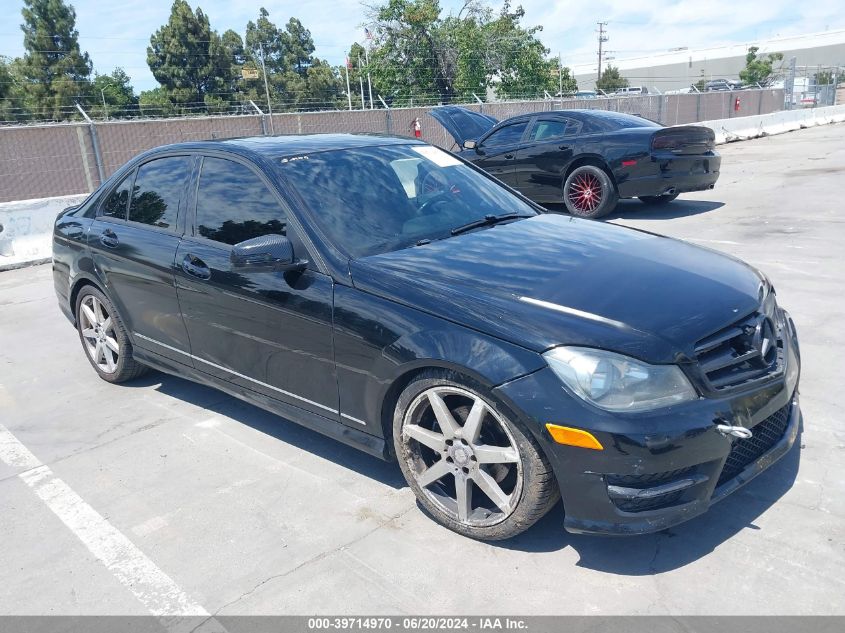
(602, 39)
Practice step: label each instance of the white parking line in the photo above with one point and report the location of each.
(149, 584)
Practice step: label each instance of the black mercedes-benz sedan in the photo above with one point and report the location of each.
(586, 159)
(392, 296)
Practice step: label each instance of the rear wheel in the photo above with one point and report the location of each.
(473, 468)
(658, 199)
(104, 338)
(589, 192)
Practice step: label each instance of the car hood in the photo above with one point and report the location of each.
(463, 124)
(552, 280)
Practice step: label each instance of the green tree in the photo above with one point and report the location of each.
(188, 58)
(54, 71)
(758, 68)
(264, 39)
(297, 80)
(519, 56)
(429, 57)
(827, 78)
(237, 58)
(299, 47)
(413, 54)
(9, 93)
(611, 80)
(117, 92)
(324, 86)
(155, 103)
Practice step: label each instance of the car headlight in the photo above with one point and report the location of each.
(619, 383)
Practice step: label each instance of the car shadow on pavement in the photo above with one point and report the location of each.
(636, 210)
(673, 548)
(275, 426)
(627, 556)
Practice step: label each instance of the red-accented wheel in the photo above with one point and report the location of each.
(589, 192)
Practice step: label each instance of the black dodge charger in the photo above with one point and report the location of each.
(396, 298)
(586, 159)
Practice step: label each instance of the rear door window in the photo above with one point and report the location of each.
(116, 204)
(234, 204)
(158, 191)
(551, 129)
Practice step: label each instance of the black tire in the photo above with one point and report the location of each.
(526, 481)
(123, 366)
(658, 199)
(589, 192)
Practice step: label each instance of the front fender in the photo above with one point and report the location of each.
(379, 343)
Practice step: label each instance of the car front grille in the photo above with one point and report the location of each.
(648, 481)
(743, 352)
(765, 435)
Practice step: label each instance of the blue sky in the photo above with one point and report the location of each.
(117, 34)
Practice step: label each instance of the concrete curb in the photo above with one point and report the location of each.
(748, 127)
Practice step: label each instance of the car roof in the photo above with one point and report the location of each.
(291, 145)
(580, 113)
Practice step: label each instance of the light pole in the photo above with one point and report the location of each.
(369, 83)
(267, 90)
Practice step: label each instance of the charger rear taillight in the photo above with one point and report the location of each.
(684, 141)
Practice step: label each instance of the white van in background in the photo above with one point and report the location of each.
(631, 91)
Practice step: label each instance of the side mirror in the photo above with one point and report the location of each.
(267, 252)
(469, 144)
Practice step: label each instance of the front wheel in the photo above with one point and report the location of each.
(104, 338)
(589, 192)
(658, 199)
(472, 467)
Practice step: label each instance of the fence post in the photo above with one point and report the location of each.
(698, 107)
(95, 143)
(759, 102)
(388, 116)
(660, 109)
(262, 119)
(480, 103)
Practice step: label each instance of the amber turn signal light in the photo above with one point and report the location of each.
(573, 437)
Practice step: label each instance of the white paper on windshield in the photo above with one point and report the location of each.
(436, 155)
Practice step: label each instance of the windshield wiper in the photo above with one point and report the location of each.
(487, 220)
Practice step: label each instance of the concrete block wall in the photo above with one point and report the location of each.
(26, 229)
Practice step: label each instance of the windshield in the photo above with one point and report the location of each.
(377, 199)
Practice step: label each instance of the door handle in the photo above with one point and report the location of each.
(563, 147)
(195, 267)
(108, 238)
(508, 156)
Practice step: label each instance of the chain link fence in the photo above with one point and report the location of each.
(811, 86)
(40, 161)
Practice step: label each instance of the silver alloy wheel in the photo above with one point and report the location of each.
(98, 334)
(487, 478)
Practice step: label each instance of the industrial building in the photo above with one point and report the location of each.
(679, 68)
